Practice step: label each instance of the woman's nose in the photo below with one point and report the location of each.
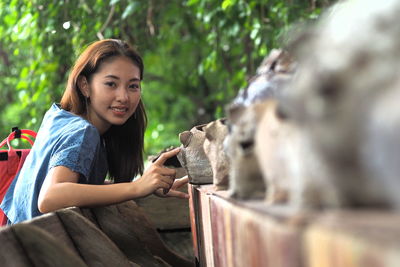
(122, 95)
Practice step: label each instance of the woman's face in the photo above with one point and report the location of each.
(114, 92)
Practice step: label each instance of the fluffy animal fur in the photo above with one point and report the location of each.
(347, 78)
(244, 114)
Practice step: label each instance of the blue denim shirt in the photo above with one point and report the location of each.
(64, 139)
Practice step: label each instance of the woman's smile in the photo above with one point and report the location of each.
(119, 111)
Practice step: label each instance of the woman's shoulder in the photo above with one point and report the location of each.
(64, 123)
(62, 117)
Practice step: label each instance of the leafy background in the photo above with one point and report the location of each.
(198, 53)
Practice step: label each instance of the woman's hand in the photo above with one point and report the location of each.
(157, 176)
(178, 183)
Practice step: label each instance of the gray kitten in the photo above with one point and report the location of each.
(245, 178)
(244, 113)
(348, 75)
(289, 164)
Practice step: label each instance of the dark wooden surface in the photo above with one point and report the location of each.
(166, 213)
(180, 241)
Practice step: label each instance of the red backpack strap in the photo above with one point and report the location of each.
(17, 133)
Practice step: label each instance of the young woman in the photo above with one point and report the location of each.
(98, 128)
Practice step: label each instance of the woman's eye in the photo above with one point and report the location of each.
(134, 87)
(111, 84)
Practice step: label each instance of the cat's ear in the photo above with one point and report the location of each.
(210, 130)
(235, 112)
(185, 138)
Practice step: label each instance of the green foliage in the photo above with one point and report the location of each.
(197, 53)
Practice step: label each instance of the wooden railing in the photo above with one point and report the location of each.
(228, 232)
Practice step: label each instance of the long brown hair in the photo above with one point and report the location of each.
(124, 143)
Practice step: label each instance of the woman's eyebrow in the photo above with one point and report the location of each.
(117, 78)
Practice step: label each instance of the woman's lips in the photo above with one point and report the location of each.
(119, 110)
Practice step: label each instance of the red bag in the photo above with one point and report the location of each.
(11, 162)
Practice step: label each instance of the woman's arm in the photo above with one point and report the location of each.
(60, 188)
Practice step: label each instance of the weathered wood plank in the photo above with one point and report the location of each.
(93, 245)
(179, 241)
(129, 228)
(166, 213)
(354, 239)
(44, 250)
(51, 224)
(240, 233)
(204, 205)
(195, 221)
(255, 238)
(11, 252)
(251, 233)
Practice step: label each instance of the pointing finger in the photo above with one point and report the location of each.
(181, 181)
(178, 194)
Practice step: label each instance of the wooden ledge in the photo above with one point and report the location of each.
(229, 232)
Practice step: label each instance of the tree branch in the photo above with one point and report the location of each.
(100, 33)
(4, 56)
(248, 51)
(149, 18)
